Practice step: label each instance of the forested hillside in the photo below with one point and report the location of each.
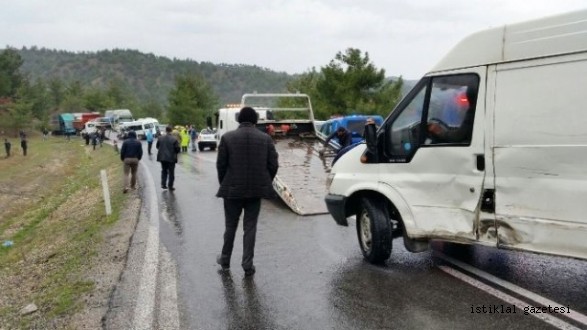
(37, 84)
(147, 76)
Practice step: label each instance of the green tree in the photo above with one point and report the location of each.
(96, 99)
(18, 116)
(56, 92)
(38, 96)
(306, 83)
(10, 76)
(350, 83)
(191, 100)
(152, 109)
(74, 97)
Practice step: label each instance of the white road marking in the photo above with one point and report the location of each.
(548, 318)
(574, 315)
(145, 308)
(168, 312)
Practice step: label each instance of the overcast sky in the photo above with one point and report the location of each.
(404, 37)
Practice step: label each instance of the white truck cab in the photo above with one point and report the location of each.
(489, 148)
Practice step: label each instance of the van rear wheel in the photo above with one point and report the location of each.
(374, 231)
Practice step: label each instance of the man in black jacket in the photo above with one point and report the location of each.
(247, 163)
(343, 135)
(167, 150)
(131, 153)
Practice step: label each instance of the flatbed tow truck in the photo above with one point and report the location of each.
(289, 119)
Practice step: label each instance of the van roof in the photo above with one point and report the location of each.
(549, 36)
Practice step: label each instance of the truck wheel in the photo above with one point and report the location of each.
(201, 148)
(374, 232)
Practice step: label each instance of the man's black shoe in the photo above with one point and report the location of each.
(171, 188)
(219, 261)
(164, 187)
(251, 271)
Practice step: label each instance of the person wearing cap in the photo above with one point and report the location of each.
(131, 153)
(246, 163)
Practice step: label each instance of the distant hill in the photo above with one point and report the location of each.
(149, 76)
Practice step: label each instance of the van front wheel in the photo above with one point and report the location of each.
(374, 232)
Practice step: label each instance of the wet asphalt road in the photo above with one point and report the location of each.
(311, 275)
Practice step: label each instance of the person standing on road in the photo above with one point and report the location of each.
(193, 137)
(149, 137)
(94, 140)
(247, 163)
(7, 147)
(167, 150)
(185, 140)
(131, 153)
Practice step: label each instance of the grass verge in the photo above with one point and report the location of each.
(52, 210)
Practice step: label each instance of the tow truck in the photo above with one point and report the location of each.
(289, 119)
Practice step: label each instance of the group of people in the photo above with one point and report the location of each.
(23, 144)
(96, 138)
(131, 153)
(186, 135)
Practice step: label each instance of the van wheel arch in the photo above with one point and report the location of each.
(377, 223)
(353, 207)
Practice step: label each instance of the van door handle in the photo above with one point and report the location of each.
(480, 163)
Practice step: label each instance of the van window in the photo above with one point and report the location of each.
(135, 128)
(405, 128)
(451, 110)
(440, 111)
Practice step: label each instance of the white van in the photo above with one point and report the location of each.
(140, 127)
(490, 147)
(149, 124)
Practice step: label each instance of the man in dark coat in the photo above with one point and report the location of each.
(7, 146)
(247, 163)
(23, 144)
(344, 137)
(167, 150)
(131, 153)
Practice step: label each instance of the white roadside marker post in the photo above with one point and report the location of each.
(106, 192)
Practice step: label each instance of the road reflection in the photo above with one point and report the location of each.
(170, 211)
(247, 310)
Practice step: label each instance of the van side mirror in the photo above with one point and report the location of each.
(370, 155)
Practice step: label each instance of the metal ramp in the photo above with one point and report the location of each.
(301, 179)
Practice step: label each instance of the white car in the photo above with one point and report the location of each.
(207, 139)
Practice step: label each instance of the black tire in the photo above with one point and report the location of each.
(374, 231)
(201, 148)
(212, 148)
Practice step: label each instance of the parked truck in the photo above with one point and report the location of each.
(62, 124)
(289, 119)
(81, 118)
